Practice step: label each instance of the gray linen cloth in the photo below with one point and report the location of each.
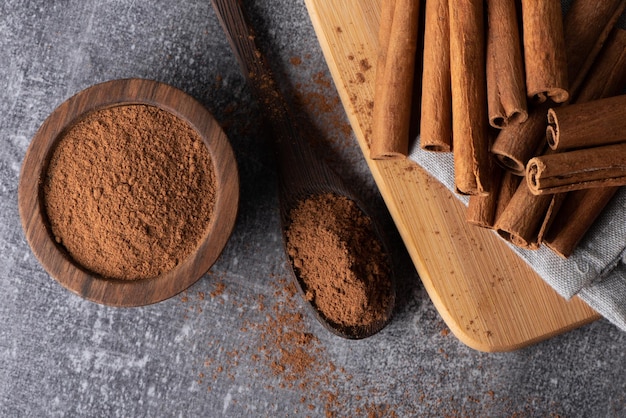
(596, 271)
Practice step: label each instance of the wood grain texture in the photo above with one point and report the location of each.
(52, 256)
(489, 297)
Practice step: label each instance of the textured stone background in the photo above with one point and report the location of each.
(202, 353)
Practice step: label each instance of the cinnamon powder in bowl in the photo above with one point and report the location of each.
(128, 192)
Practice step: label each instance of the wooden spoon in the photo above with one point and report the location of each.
(301, 173)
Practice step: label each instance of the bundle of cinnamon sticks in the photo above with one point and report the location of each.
(524, 99)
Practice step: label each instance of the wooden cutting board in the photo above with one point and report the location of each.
(489, 297)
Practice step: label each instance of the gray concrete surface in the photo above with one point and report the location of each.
(212, 351)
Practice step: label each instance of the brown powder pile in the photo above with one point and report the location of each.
(129, 191)
(339, 260)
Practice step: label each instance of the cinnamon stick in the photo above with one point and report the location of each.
(608, 74)
(469, 101)
(580, 169)
(436, 117)
(607, 77)
(595, 18)
(578, 212)
(508, 186)
(522, 223)
(506, 91)
(394, 79)
(582, 207)
(525, 219)
(599, 122)
(384, 33)
(483, 211)
(518, 142)
(544, 50)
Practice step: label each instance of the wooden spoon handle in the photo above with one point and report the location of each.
(300, 169)
(253, 64)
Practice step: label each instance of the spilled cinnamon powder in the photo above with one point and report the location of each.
(341, 263)
(129, 191)
(284, 357)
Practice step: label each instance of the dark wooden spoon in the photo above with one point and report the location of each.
(301, 173)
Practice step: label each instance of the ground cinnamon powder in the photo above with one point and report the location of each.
(339, 259)
(129, 191)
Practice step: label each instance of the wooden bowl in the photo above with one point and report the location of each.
(34, 219)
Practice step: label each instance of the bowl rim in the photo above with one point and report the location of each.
(116, 292)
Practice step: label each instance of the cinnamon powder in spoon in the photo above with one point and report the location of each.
(340, 262)
(129, 191)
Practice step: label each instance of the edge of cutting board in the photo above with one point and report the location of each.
(489, 298)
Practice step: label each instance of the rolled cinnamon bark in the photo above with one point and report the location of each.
(526, 217)
(595, 18)
(506, 89)
(582, 207)
(522, 222)
(436, 116)
(484, 210)
(481, 209)
(575, 170)
(384, 33)
(508, 186)
(395, 72)
(608, 73)
(544, 51)
(578, 212)
(599, 122)
(469, 101)
(518, 142)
